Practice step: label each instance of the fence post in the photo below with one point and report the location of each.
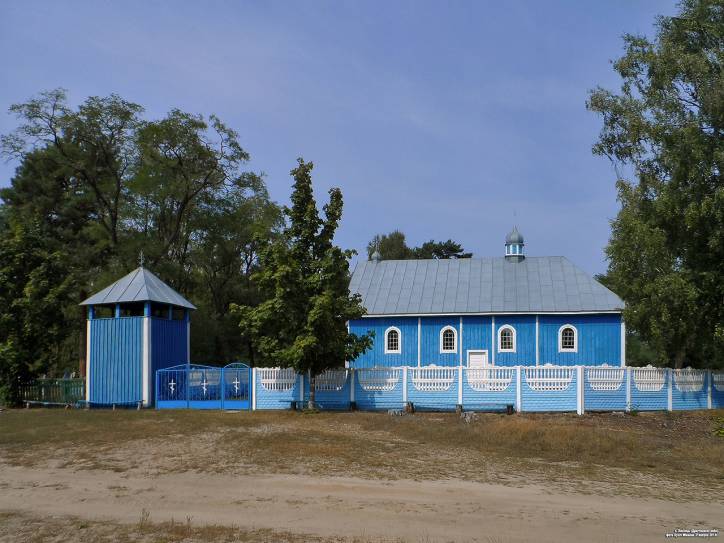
(579, 390)
(709, 378)
(518, 395)
(253, 389)
(628, 389)
(301, 388)
(460, 385)
(670, 401)
(222, 387)
(186, 385)
(404, 386)
(155, 395)
(351, 385)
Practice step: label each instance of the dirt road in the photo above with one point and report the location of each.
(411, 510)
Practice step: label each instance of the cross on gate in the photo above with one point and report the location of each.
(236, 385)
(203, 385)
(172, 386)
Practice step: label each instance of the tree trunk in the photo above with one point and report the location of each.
(679, 358)
(312, 386)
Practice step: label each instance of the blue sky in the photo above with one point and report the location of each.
(442, 119)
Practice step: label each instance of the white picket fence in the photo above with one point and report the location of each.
(549, 378)
(489, 379)
(605, 379)
(378, 379)
(331, 380)
(433, 379)
(649, 379)
(543, 387)
(277, 379)
(689, 380)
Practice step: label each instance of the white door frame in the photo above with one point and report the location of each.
(478, 351)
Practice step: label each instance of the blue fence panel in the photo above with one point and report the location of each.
(549, 388)
(488, 388)
(690, 389)
(433, 388)
(277, 388)
(379, 388)
(717, 390)
(332, 389)
(604, 389)
(649, 389)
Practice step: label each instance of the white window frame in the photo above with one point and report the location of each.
(399, 340)
(575, 339)
(455, 340)
(500, 337)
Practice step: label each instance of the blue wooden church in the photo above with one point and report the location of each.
(135, 326)
(500, 311)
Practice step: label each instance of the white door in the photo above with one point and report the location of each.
(477, 359)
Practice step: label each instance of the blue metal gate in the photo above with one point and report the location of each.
(192, 386)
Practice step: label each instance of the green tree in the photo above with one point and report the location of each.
(666, 252)
(393, 246)
(440, 249)
(34, 291)
(97, 184)
(302, 323)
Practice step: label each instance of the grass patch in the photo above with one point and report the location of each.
(493, 448)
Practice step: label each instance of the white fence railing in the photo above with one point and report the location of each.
(549, 379)
(331, 380)
(605, 379)
(277, 379)
(378, 379)
(430, 379)
(489, 379)
(649, 379)
(689, 380)
(718, 381)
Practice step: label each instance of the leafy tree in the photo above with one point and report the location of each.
(440, 249)
(302, 323)
(98, 184)
(390, 246)
(34, 290)
(393, 246)
(666, 252)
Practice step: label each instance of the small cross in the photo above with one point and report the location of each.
(140, 258)
(203, 385)
(236, 385)
(172, 386)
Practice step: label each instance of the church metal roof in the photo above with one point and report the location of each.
(479, 285)
(139, 286)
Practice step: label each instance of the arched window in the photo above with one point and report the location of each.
(393, 340)
(506, 339)
(448, 340)
(567, 339)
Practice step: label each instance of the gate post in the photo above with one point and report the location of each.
(670, 401)
(518, 391)
(155, 396)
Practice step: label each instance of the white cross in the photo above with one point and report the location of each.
(172, 386)
(236, 385)
(203, 385)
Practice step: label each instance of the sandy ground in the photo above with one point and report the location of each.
(411, 510)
